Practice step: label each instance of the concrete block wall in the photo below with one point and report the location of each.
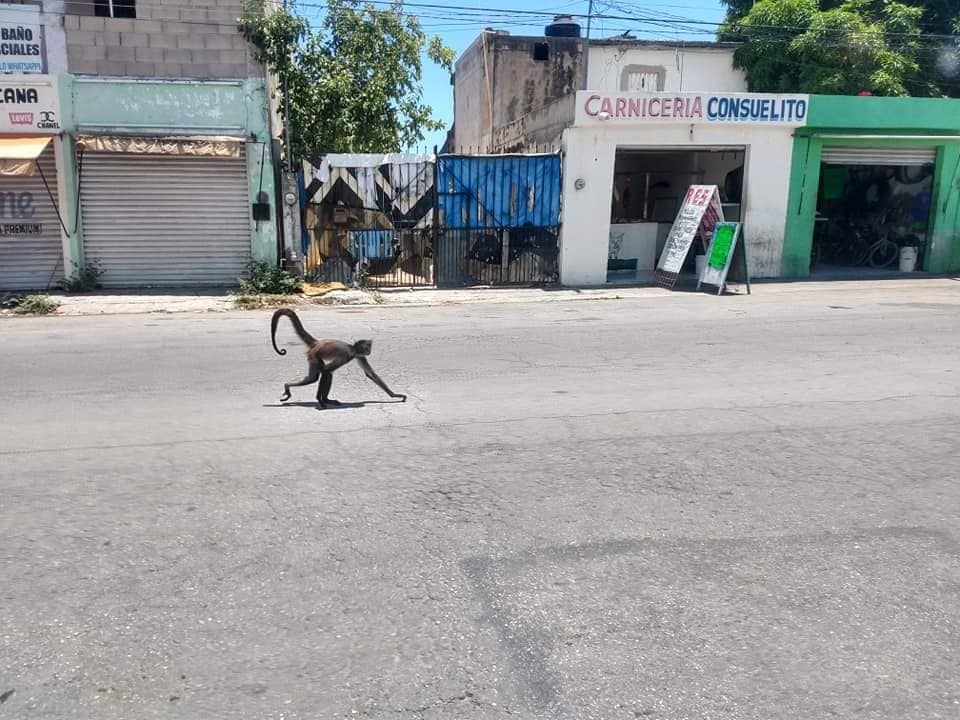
(194, 39)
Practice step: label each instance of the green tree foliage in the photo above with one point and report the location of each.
(354, 83)
(886, 47)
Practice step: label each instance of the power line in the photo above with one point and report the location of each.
(464, 16)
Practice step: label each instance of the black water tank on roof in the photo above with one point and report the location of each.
(562, 26)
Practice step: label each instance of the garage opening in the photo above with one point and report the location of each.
(648, 187)
(873, 211)
(165, 220)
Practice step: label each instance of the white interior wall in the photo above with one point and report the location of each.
(590, 154)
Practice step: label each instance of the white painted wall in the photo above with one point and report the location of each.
(684, 69)
(589, 155)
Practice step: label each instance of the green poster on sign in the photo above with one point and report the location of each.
(720, 248)
(720, 255)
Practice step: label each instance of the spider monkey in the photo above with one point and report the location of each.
(324, 357)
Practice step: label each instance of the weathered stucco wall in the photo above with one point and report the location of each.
(681, 68)
(501, 79)
(471, 108)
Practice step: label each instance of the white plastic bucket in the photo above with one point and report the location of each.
(908, 259)
(702, 263)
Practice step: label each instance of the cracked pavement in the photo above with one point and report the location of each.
(672, 507)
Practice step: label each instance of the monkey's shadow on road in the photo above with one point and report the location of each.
(341, 406)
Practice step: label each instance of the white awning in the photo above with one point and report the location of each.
(17, 154)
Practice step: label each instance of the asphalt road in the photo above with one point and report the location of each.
(668, 508)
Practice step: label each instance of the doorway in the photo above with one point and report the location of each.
(649, 185)
(873, 211)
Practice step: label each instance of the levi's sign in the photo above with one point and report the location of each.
(628, 108)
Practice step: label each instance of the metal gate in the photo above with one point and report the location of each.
(164, 221)
(368, 220)
(498, 219)
(31, 248)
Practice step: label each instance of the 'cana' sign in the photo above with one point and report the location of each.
(29, 105)
(620, 108)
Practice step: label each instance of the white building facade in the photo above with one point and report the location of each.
(630, 157)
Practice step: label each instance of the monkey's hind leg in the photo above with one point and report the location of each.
(311, 378)
(323, 390)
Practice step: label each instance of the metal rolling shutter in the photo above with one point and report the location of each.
(31, 260)
(878, 156)
(166, 221)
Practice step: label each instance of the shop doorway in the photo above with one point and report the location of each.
(873, 211)
(648, 187)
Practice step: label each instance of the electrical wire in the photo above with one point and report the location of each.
(464, 14)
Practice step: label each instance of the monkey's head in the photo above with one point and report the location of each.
(363, 347)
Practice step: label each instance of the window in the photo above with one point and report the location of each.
(641, 78)
(541, 52)
(115, 8)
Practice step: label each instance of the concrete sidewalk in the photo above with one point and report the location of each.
(189, 301)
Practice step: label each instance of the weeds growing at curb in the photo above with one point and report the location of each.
(32, 305)
(264, 278)
(255, 301)
(84, 279)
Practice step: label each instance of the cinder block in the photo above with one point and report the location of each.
(217, 42)
(203, 29)
(224, 17)
(169, 70)
(234, 57)
(71, 22)
(177, 28)
(193, 15)
(82, 37)
(138, 69)
(190, 42)
(149, 55)
(204, 57)
(111, 67)
(226, 71)
(83, 67)
(147, 26)
(159, 12)
(94, 24)
(134, 40)
(200, 71)
(162, 40)
(123, 25)
(86, 52)
(177, 56)
(120, 54)
(107, 37)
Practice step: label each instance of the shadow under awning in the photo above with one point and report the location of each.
(18, 154)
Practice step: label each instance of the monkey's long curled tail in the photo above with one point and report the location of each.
(307, 338)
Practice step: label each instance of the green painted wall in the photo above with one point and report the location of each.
(883, 113)
(945, 247)
(175, 107)
(849, 117)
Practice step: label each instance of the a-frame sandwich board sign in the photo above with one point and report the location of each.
(727, 239)
(699, 213)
